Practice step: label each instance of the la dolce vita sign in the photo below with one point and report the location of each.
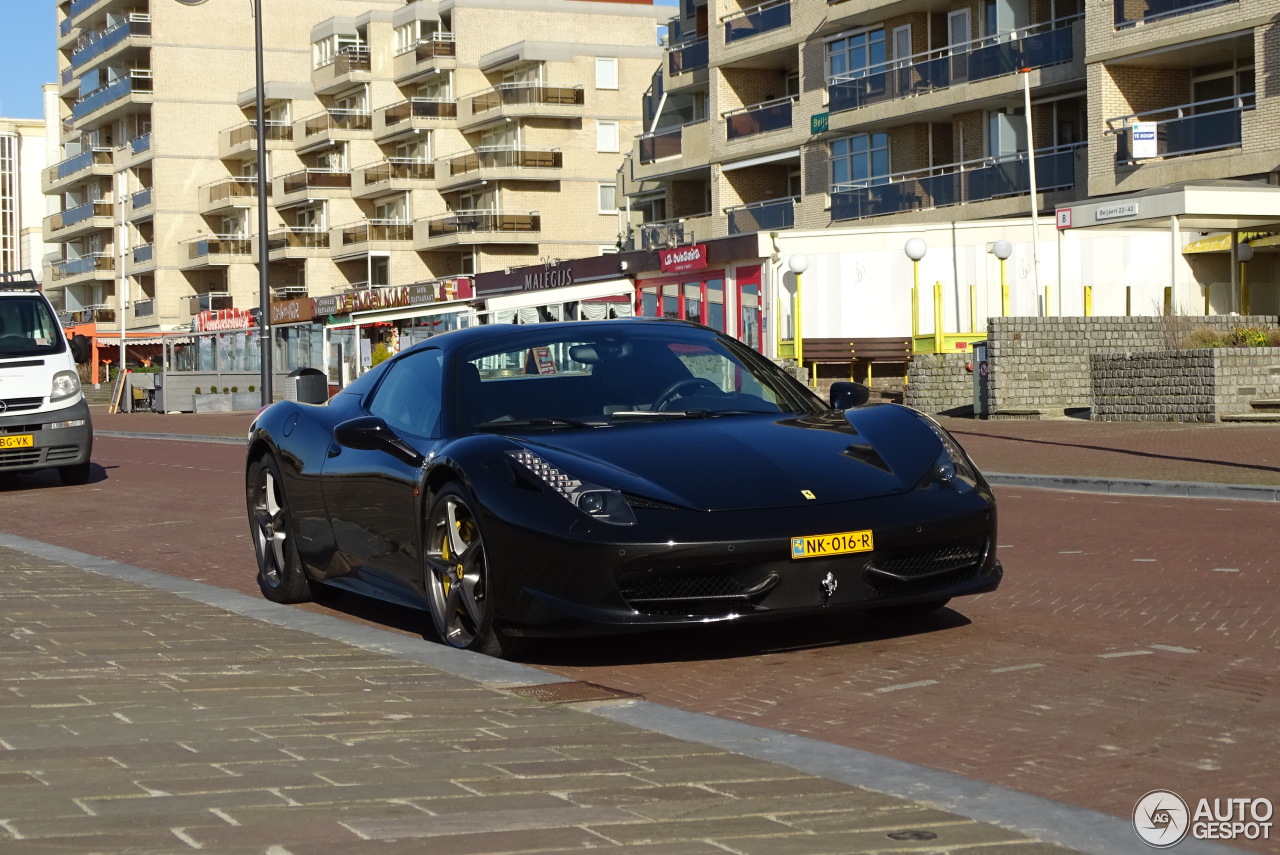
(683, 258)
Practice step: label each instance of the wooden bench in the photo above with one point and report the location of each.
(856, 351)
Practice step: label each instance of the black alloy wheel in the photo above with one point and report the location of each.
(280, 573)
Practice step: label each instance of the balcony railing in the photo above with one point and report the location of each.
(143, 253)
(248, 132)
(144, 308)
(759, 118)
(420, 108)
(79, 7)
(527, 93)
(138, 145)
(397, 167)
(239, 187)
(141, 199)
(660, 144)
(297, 237)
(1188, 128)
(204, 247)
(1044, 45)
(763, 216)
(211, 301)
(64, 28)
(687, 56)
(377, 230)
(466, 222)
(84, 264)
(340, 120)
(347, 60)
(78, 214)
(440, 44)
(309, 179)
(505, 157)
(138, 81)
(102, 312)
(1130, 13)
(955, 184)
(79, 163)
(761, 19)
(138, 24)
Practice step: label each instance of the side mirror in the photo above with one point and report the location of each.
(370, 433)
(846, 395)
(80, 348)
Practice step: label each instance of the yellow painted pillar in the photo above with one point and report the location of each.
(973, 308)
(1004, 292)
(937, 317)
(796, 324)
(915, 308)
(1088, 301)
(1244, 287)
(1048, 304)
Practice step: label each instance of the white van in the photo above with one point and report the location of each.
(44, 418)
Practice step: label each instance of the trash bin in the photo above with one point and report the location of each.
(307, 386)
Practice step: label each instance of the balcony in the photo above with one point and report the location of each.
(477, 227)
(79, 220)
(311, 184)
(243, 139)
(297, 242)
(100, 265)
(99, 313)
(138, 82)
(955, 184)
(141, 204)
(1186, 129)
(335, 125)
(138, 24)
(144, 308)
(142, 255)
(760, 19)
(1047, 44)
(426, 56)
(95, 161)
(370, 236)
(687, 56)
(512, 100)
(216, 251)
(1131, 13)
(210, 301)
(348, 66)
(396, 173)
(415, 114)
(230, 194)
(759, 118)
(770, 215)
(497, 163)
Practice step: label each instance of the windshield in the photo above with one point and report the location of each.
(28, 327)
(592, 374)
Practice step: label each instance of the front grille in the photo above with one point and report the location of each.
(941, 566)
(641, 502)
(19, 405)
(58, 453)
(703, 593)
(13, 457)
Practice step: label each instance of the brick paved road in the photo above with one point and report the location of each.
(1131, 648)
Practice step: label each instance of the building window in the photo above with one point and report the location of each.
(606, 72)
(608, 198)
(856, 54)
(861, 158)
(606, 136)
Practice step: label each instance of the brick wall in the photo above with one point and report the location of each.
(940, 383)
(1183, 385)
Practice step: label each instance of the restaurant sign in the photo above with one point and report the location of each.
(683, 258)
(372, 299)
(217, 320)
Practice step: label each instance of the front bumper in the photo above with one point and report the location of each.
(63, 446)
(698, 568)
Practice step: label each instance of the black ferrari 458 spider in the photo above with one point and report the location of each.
(602, 476)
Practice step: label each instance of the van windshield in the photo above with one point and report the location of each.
(28, 327)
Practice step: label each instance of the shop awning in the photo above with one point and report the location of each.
(566, 294)
(1222, 243)
(793, 154)
(399, 313)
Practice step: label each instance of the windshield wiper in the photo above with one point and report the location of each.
(552, 422)
(657, 415)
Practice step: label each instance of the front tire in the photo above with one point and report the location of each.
(280, 573)
(459, 580)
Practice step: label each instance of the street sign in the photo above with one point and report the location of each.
(1064, 217)
(819, 123)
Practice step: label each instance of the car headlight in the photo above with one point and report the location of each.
(952, 466)
(600, 503)
(65, 384)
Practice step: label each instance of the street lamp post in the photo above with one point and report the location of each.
(798, 264)
(1002, 249)
(915, 248)
(264, 286)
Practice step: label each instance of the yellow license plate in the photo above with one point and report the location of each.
(821, 545)
(18, 440)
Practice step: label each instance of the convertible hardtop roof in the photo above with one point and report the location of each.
(491, 332)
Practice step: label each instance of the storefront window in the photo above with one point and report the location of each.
(714, 289)
(693, 302)
(704, 301)
(749, 307)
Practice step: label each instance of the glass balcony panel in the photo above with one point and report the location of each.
(404, 168)
(441, 44)
(82, 161)
(141, 199)
(316, 178)
(377, 230)
(506, 158)
(770, 116)
(1194, 128)
(137, 81)
(420, 108)
(143, 253)
(248, 133)
(84, 264)
(139, 26)
(297, 238)
(762, 216)
(465, 222)
(688, 57)
(762, 19)
(138, 145)
(661, 144)
(220, 245)
(144, 308)
(1130, 13)
(527, 93)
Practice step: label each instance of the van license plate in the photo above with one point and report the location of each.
(820, 545)
(18, 440)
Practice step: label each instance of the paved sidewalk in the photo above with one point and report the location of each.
(138, 714)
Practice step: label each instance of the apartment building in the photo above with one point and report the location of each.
(405, 143)
(810, 115)
(23, 155)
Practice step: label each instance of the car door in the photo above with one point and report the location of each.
(371, 494)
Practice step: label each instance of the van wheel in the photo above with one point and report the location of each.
(74, 476)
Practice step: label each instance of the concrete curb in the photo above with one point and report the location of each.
(1123, 487)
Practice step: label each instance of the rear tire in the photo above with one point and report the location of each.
(75, 474)
(280, 573)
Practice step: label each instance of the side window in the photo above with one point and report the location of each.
(408, 399)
